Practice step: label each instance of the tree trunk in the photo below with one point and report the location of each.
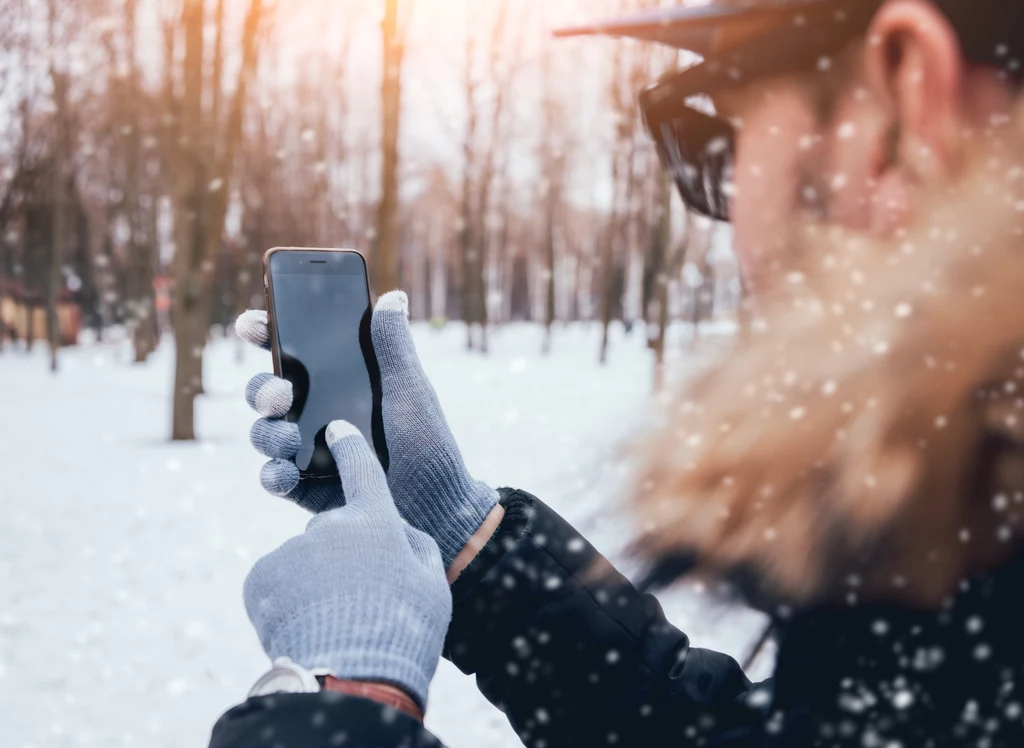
(608, 263)
(698, 246)
(3, 283)
(189, 228)
(385, 256)
(466, 275)
(30, 327)
(469, 300)
(549, 268)
(190, 321)
(217, 73)
(574, 291)
(415, 273)
(439, 277)
(141, 244)
(487, 175)
(607, 285)
(505, 276)
(59, 185)
(499, 263)
(201, 206)
(475, 233)
(553, 164)
(624, 132)
(146, 336)
(484, 343)
(466, 224)
(187, 371)
(662, 241)
(55, 279)
(630, 229)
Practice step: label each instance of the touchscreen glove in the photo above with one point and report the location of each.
(360, 593)
(432, 488)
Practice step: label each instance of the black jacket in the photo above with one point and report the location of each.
(577, 658)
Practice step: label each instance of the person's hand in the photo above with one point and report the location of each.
(432, 488)
(360, 593)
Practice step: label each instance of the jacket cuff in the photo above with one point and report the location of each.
(317, 720)
(518, 515)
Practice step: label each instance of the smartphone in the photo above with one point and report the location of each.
(319, 307)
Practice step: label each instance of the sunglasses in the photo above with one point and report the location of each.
(696, 146)
(697, 149)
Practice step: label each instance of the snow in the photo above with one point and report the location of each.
(122, 555)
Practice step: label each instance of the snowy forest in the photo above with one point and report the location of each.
(153, 150)
(653, 487)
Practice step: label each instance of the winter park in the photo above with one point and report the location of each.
(388, 373)
(142, 638)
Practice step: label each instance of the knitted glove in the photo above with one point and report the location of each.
(433, 490)
(360, 593)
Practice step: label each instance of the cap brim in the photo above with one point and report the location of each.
(693, 28)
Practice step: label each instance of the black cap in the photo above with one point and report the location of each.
(698, 28)
(991, 31)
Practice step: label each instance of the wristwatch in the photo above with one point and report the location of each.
(287, 677)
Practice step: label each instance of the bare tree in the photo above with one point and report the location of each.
(553, 167)
(663, 265)
(59, 178)
(470, 252)
(16, 138)
(385, 256)
(696, 271)
(138, 193)
(203, 153)
(483, 149)
(629, 70)
(620, 254)
(229, 180)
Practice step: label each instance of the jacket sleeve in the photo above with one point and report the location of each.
(319, 720)
(574, 654)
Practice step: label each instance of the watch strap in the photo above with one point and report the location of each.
(387, 695)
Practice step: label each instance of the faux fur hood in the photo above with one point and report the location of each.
(865, 443)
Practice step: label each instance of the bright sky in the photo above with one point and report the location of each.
(434, 100)
(433, 94)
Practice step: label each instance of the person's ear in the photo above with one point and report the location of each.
(915, 67)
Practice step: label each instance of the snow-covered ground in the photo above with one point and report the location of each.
(122, 555)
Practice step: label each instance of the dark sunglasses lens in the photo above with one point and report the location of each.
(698, 151)
(718, 173)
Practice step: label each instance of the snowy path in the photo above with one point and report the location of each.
(122, 556)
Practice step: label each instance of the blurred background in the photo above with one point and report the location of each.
(150, 152)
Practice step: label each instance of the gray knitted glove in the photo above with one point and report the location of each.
(360, 593)
(433, 490)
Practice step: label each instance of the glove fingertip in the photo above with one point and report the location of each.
(280, 478)
(276, 439)
(338, 430)
(393, 301)
(392, 337)
(269, 396)
(253, 327)
(362, 477)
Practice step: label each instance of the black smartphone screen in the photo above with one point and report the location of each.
(320, 310)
